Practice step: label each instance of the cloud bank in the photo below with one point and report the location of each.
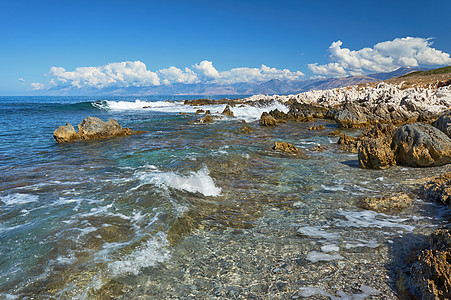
(382, 57)
(136, 74)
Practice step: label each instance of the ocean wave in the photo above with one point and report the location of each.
(195, 182)
(18, 199)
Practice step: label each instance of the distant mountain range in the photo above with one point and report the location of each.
(274, 86)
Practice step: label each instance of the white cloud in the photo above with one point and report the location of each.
(176, 75)
(122, 74)
(37, 86)
(125, 74)
(383, 57)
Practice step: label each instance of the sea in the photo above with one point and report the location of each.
(195, 211)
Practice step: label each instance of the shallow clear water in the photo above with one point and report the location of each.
(190, 210)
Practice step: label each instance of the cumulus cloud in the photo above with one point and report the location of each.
(122, 74)
(125, 74)
(382, 57)
(37, 86)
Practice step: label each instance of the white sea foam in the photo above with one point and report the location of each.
(18, 199)
(253, 113)
(195, 182)
(330, 248)
(362, 243)
(315, 256)
(316, 231)
(312, 291)
(138, 105)
(150, 254)
(369, 218)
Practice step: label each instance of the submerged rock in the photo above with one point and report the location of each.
(267, 120)
(287, 148)
(246, 129)
(390, 203)
(421, 145)
(227, 111)
(431, 272)
(438, 189)
(91, 128)
(318, 127)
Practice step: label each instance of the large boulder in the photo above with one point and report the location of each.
(227, 111)
(443, 123)
(91, 128)
(267, 120)
(421, 145)
(65, 134)
(438, 189)
(94, 128)
(375, 154)
(351, 116)
(431, 272)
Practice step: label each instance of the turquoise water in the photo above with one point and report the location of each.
(126, 216)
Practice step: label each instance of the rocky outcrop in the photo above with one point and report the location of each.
(374, 147)
(431, 272)
(438, 189)
(246, 130)
(351, 116)
(347, 143)
(391, 203)
(421, 145)
(317, 127)
(443, 123)
(267, 120)
(91, 128)
(288, 148)
(227, 111)
(65, 134)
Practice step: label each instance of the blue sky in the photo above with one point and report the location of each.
(224, 35)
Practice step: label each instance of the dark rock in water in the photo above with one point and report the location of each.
(199, 111)
(94, 128)
(351, 116)
(421, 145)
(301, 111)
(443, 123)
(385, 204)
(91, 128)
(375, 154)
(335, 133)
(431, 272)
(438, 189)
(288, 148)
(318, 127)
(227, 111)
(347, 143)
(65, 134)
(374, 147)
(207, 119)
(267, 120)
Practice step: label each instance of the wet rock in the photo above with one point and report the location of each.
(206, 120)
(227, 111)
(91, 128)
(199, 111)
(431, 272)
(65, 134)
(317, 127)
(438, 189)
(267, 120)
(287, 148)
(319, 148)
(443, 123)
(94, 128)
(246, 130)
(375, 154)
(347, 143)
(335, 133)
(385, 204)
(421, 145)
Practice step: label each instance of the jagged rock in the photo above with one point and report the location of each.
(431, 272)
(65, 134)
(379, 131)
(91, 128)
(94, 128)
(438, 189)
(375, 154)
(318, 127)
(205, 120)
(267, 120)
(246, 129)
(287, 148)
(421, 145)
(443, 123)
(351, 116)
(207, 112)
(335, 133)
(306, 111)
(319, 148)
(227, 111)
(385, 204)
(347, 143)
(443, 83)
(199, 111)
